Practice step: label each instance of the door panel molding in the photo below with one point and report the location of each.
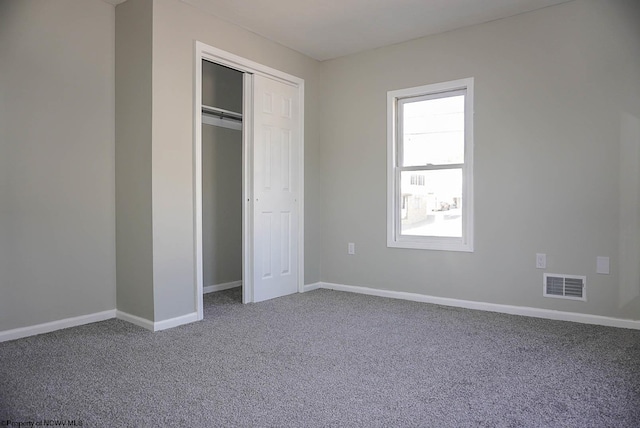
(276, 143)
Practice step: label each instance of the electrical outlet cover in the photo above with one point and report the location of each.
(541, 261)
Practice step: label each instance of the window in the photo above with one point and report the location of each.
(430, 167)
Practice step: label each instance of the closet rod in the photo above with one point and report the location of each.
(222, 113)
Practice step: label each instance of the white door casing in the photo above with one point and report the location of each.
(275, 212)
(252, 70)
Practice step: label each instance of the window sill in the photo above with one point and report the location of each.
(437, 244)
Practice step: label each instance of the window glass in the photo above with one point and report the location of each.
(433, 204)
(433, 131)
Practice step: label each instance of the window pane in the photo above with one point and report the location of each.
(433, 131)
(431, 203)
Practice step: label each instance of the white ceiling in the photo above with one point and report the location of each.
(325, 29)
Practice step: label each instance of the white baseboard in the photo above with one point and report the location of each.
(133, 319)
(220, 287)
(491, 307)
(309, 287)
(18, 333)
(175, 322)
(157, 325)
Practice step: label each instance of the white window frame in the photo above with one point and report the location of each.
(394, 238)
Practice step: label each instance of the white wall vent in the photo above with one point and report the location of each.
(565, 286)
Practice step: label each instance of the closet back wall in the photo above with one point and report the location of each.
(221, 205)
(221, 87)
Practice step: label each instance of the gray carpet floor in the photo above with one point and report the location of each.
(327, 358)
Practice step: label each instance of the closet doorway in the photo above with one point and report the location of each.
(248, 177)
(221, 177)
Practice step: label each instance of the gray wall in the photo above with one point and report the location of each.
(557, 113)
(557, 157)
(221, 204)
(134, 23)
(57, 220)
(221, 87)
(175, 27)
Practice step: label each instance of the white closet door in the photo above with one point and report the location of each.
(276, 148)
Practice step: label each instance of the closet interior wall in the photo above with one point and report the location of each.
(221, 181)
